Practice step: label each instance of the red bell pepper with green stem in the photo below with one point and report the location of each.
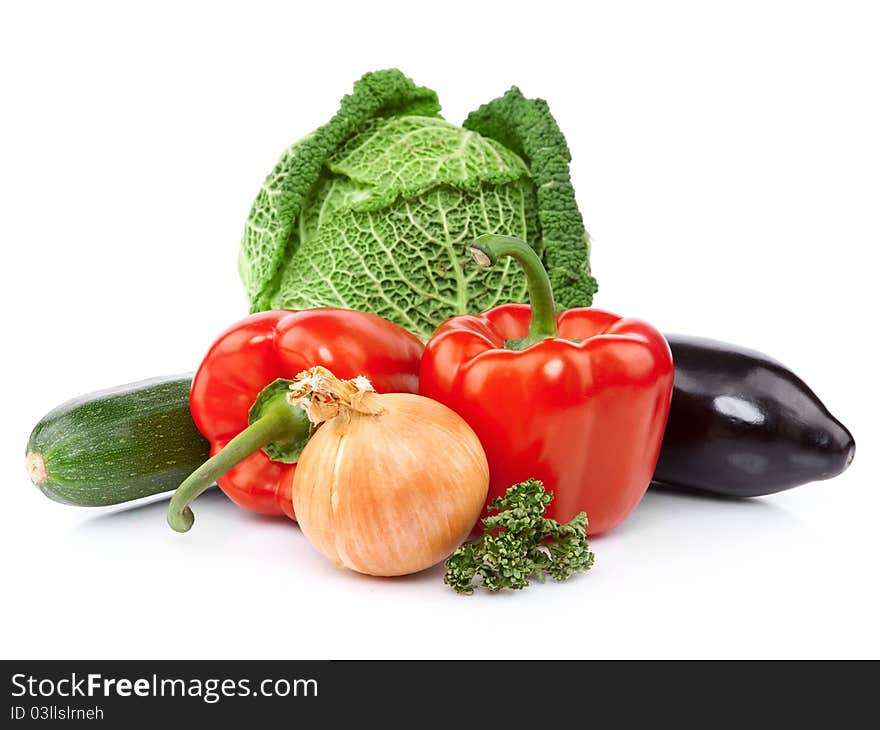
(577, 399)
(239, 397)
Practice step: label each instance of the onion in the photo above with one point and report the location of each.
(390, 483)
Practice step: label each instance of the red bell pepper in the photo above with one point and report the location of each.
(577, 399)
(239, 397)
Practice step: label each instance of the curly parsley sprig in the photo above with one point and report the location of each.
(519, 543)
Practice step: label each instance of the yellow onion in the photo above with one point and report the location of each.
(389, 483)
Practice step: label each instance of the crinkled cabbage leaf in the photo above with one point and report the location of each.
(375, 210)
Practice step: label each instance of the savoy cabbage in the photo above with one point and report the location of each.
(374, 210)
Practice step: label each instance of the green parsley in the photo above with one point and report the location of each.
(519, 543)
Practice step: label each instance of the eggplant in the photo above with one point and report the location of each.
(742, 425)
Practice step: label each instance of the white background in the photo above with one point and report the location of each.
(727, 163)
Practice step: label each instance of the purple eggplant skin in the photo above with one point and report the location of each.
(742, 425)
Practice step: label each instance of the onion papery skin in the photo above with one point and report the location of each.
(392, 493)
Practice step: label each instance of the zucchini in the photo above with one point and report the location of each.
(118, 444)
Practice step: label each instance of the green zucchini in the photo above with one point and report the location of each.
(118, 444)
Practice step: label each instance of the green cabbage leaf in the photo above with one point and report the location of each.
(375, 210)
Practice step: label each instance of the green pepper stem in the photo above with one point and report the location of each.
(487, 249)
(278, 422)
